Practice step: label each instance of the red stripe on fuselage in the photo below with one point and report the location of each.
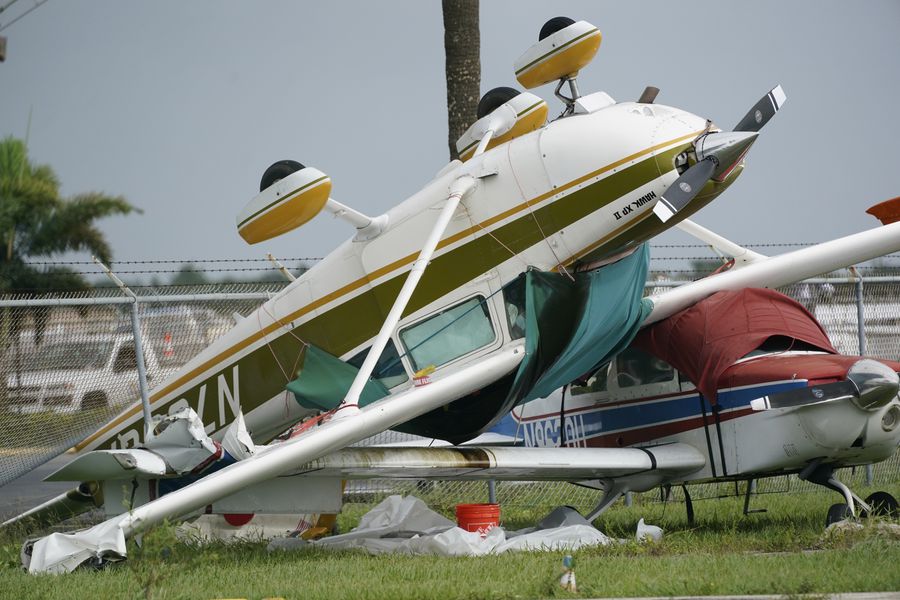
(640, 435)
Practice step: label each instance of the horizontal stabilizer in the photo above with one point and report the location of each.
(101, 465)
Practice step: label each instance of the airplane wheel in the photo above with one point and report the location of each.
(554, 25)
(278, 171)
(883, 505)
(836, 513)
(495, 98)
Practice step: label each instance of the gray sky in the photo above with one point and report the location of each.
(180, 106)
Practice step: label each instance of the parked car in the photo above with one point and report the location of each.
(78, 373)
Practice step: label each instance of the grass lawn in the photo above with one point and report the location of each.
(782, 551)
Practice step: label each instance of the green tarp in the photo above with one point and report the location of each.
(574, 327)
(324, 380)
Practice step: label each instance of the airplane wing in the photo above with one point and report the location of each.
(652, 465)
(508, 463)
(784, 269)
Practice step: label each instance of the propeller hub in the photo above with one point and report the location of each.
(876, 383)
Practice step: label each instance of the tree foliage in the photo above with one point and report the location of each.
(37, 222)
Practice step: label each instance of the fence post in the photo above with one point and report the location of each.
(860, 317)
(138, 346)
(861, 337)
(141, 367)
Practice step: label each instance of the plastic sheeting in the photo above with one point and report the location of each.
(405, 525)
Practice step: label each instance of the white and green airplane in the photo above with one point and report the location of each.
(418, 322)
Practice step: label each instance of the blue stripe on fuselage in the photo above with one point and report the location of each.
(607, 418)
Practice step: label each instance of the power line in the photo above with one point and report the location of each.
(37, 4)
(174, 262)
(7, 5)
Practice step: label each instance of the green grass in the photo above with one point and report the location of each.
(782, 551)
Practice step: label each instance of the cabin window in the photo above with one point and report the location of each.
(449, 334)
(636, 367)
(597, 382)
(388, 370)
(514, 302)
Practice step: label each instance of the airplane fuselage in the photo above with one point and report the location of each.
(579, 189)
(738, 442)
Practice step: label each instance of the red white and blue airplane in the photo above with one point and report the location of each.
(747, 378)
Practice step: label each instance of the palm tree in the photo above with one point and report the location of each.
(36, 222)
(462, 51)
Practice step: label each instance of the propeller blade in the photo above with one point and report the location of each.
(806, 396)
(684, 189)
(762, 111)
(870, 384)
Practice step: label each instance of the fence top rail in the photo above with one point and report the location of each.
(177, 298)
(266, 295)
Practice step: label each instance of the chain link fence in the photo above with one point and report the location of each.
(68, 364)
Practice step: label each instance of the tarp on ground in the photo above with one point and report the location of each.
(704, 340)
(405, 525)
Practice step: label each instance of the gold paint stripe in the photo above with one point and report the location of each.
(280, 200)
(569, 261)
(538, 103)
(555, 50)
(350, 287)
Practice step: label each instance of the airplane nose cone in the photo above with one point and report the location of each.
(727, 148)
(876, 383)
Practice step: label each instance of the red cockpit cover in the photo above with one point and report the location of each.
(704, 340)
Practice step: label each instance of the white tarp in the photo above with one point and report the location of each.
(408, 526)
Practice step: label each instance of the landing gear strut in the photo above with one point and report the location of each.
(877, 504)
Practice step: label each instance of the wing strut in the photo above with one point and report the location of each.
(741, 255)
(459, 188)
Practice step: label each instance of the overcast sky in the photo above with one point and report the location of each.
(180, 106)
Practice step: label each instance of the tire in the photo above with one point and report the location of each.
(554, 25)
(94, 400)
(278, 171)
(883, 505)
(495, 98)
(837, 513)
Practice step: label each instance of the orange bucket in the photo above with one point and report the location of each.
(479, 518)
